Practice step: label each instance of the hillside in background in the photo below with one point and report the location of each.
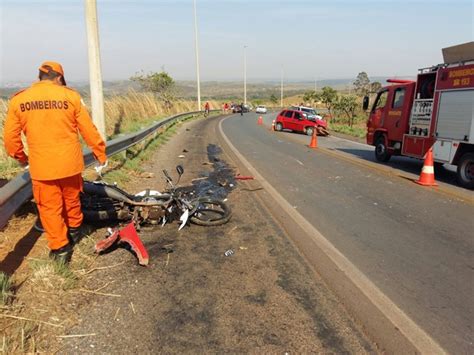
(221, 90)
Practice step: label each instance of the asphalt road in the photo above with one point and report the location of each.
(415, 244)
(262, 299)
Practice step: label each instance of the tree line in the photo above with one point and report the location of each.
(347, 104)
(163, 85)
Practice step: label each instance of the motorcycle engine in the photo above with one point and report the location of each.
(152, 214)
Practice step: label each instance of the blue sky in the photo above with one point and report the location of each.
(308, 38)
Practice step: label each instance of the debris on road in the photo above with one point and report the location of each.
(229, 252)
(241, 177)
(322, 131)
(181, 156)
(126, 235)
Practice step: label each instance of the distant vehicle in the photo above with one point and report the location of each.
(435, 111)
(298, 121)
(238, 108)
(310, 112)
(261, 109)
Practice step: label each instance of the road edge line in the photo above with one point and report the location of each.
(411, 331)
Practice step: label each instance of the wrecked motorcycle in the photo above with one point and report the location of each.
(105, 202)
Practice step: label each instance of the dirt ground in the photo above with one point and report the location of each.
(192, 298)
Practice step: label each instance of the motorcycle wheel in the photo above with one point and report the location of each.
(210, 212)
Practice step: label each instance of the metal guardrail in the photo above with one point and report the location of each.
(16, 192)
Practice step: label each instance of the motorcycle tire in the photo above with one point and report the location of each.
(210, 212)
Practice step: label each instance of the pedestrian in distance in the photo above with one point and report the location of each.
(51, 116)
(242, 109)
(206, 109)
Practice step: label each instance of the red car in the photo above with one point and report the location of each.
(298, 121)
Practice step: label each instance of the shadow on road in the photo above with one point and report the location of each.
(409, 165)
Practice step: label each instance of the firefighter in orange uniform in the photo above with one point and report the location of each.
(51, 115)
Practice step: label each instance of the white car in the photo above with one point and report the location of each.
(261, 109)
(309, 111)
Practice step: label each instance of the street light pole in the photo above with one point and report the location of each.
(281, 88)
(197, 58)
(95, 75)
(245, 75)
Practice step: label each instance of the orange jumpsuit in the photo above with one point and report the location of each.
(51, 116)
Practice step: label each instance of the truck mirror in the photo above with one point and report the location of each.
(365, 103)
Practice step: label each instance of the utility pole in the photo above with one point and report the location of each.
(95, 75)
(245, 75)
(197, 58)
(281, 88)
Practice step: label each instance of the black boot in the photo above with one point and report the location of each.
(75, 235)
(38, 225)
(62, 255)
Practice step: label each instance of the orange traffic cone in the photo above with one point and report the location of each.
(427, 177)
(314, 139)
(260, 120)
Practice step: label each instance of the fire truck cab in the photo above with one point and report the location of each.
(435, 111)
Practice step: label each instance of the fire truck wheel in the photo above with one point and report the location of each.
(381, 152)
(466, 171)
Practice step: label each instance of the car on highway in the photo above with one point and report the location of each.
(239, 108)
(235, 108)
(261, 109)
(298, 121)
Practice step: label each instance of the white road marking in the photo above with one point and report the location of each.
(424, 343)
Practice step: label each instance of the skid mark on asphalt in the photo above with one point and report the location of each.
(217, 183)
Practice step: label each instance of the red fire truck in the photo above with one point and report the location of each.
(437, 110)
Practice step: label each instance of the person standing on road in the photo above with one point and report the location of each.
(51, 115)
(242, 109)
(206, 108)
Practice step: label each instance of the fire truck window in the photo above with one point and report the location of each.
(398, 98)
(427, 88)
(380, 101)
(288, 114)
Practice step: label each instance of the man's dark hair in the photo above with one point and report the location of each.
(50, 75)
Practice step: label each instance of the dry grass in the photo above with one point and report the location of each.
(47, 302)
(123, 113)
(5, 288)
